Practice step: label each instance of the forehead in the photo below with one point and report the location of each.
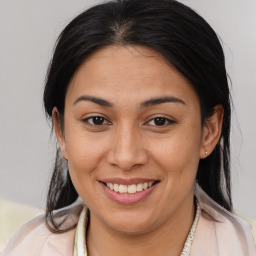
(125, 72)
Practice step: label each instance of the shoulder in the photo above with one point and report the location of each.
(31, 236)
(222, 231)
(252, 223)
(12, 216)
(35, 239)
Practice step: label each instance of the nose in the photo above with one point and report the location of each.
(127, 148)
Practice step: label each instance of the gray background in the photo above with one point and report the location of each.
(28, 30)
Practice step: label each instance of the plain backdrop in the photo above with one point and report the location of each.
(28, 30)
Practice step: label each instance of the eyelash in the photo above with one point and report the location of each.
(169, 121)
(86, 120)
(166, 120)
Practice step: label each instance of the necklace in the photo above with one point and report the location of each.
(190, 238)
(80, 237)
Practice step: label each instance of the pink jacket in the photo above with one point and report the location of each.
(219, 233)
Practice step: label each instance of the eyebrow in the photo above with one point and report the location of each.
(144, 104)
(96, 100)
(161, 100)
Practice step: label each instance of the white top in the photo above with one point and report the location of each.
(218, 233)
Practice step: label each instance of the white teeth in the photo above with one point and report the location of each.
(130, 189)
(116, 187)
(145, 185)
(140, 187)
(122, 189)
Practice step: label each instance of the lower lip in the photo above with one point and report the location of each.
(127, 198)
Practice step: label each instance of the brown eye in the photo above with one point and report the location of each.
(96, 120)
(160, 121)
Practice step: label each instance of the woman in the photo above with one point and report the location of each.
(138, 95)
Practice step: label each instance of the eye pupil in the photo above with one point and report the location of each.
(160, 121)
(97, 120)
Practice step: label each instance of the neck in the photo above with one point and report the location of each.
(166, 239)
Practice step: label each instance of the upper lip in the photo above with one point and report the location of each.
(127, 181)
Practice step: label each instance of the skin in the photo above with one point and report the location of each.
(131, 144)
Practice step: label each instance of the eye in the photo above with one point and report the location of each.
(96, 120)
(160, 121)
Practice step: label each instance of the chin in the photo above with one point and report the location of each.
(129, 223)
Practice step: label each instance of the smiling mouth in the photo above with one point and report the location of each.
(129, 189)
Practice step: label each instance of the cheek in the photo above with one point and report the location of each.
(83, 154)
(84, 151)
(178, 154)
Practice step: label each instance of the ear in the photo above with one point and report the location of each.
(59, 132)
(211, 131)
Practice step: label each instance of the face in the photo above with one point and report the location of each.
(133, 138)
